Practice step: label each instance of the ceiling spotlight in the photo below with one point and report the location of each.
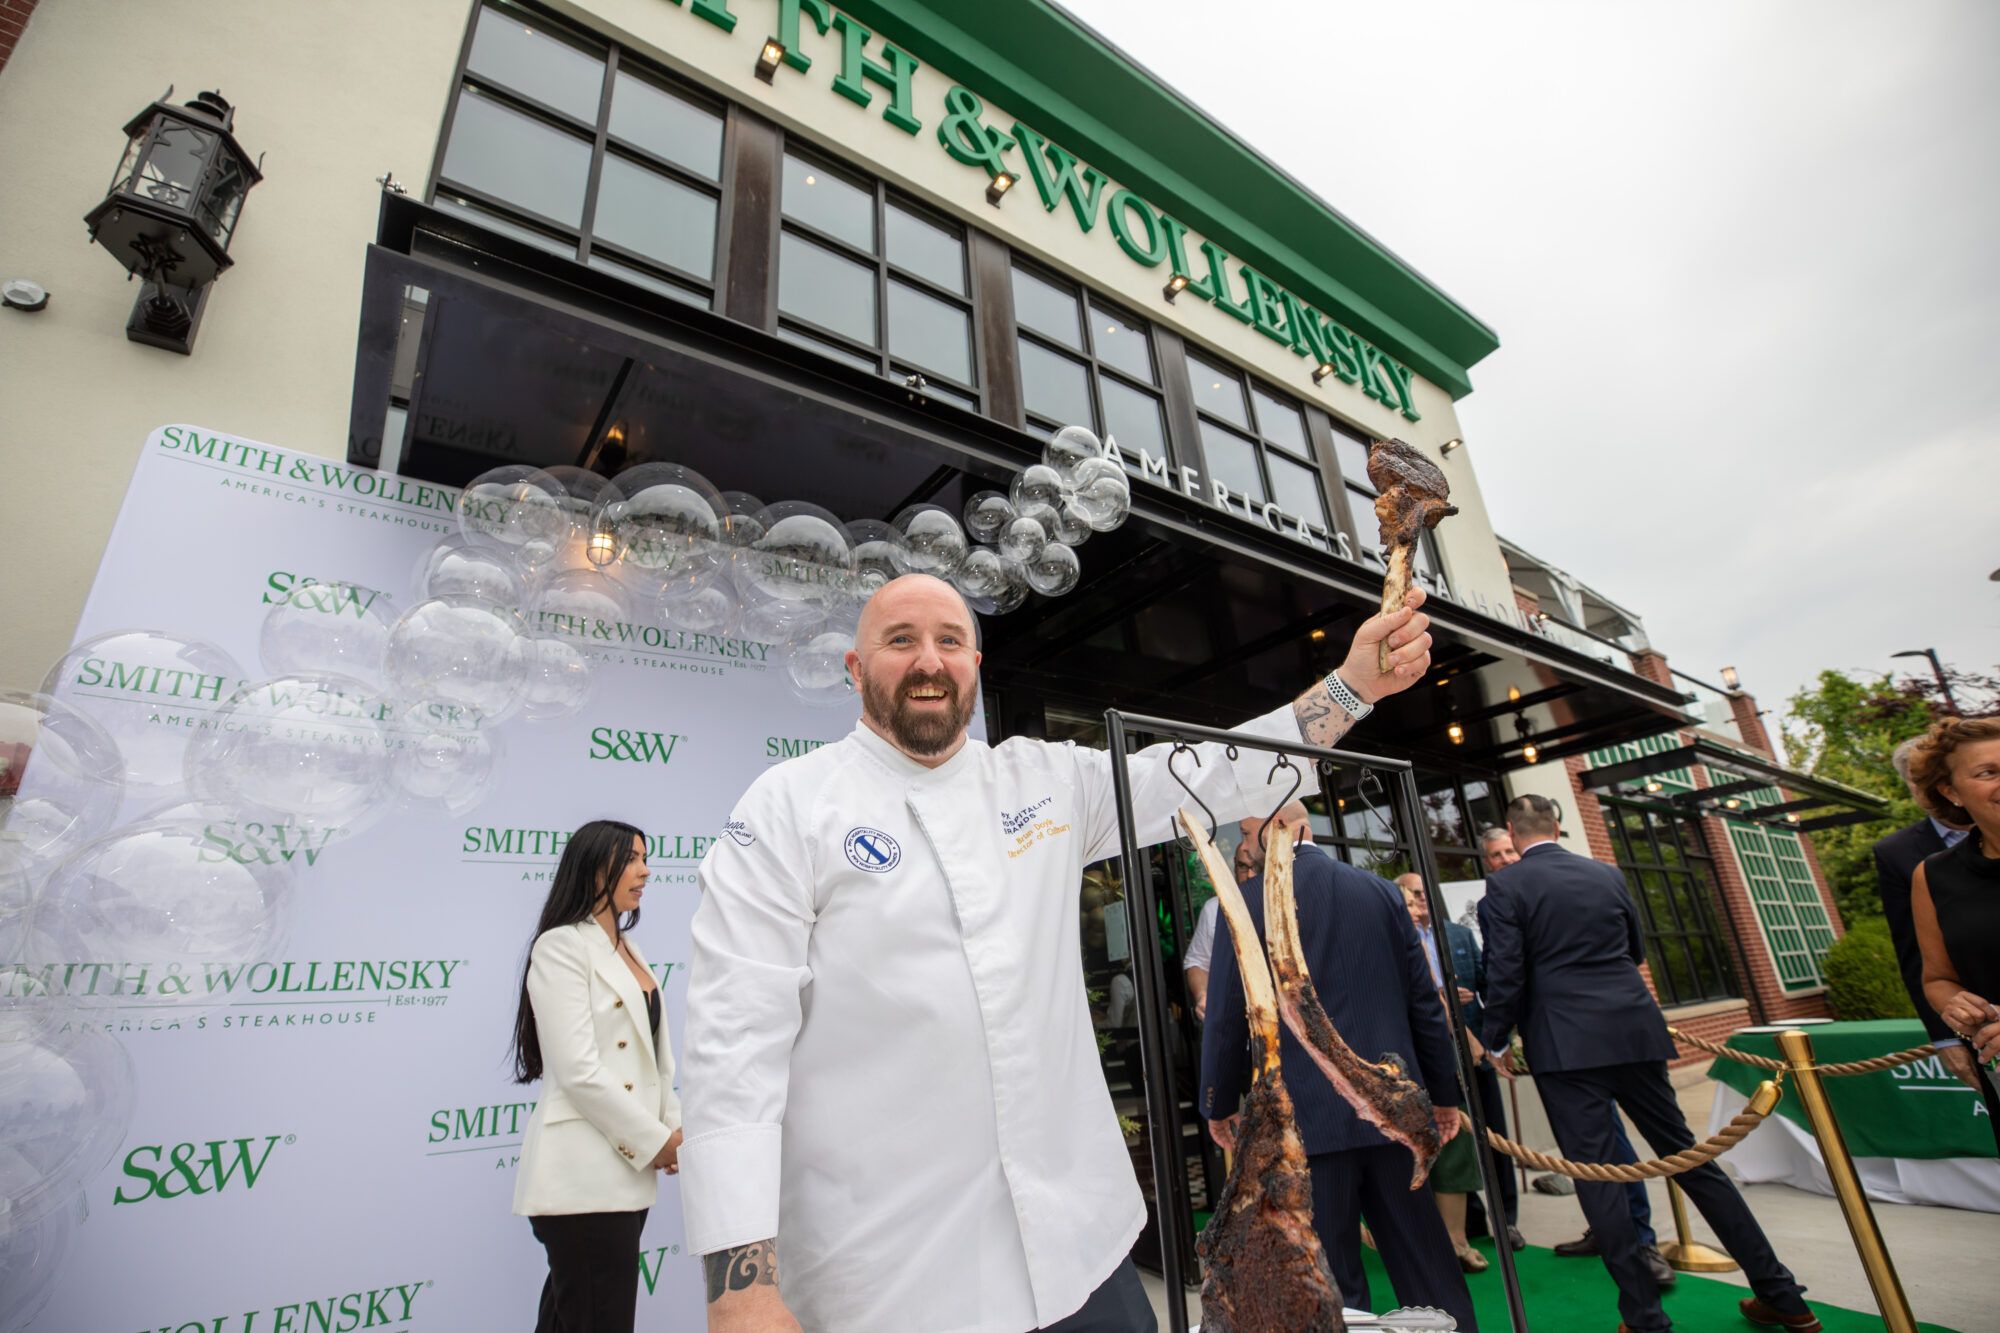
(1449, 445)
(1731, 803)
(601, 548)
(1729, 677)
(1792, 818)
(1652, 785)
(1321, 371)
(1456, 732)
(1530, 753)
(1000, 185)
(1175, 285)
(770, 58)
(1318, 634)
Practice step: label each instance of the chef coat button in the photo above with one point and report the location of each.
(628, 1087)
(618, 1004)
(621, 1045)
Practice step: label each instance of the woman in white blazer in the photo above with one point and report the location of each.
(589, 1026)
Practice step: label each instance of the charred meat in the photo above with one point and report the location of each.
(1412, 495)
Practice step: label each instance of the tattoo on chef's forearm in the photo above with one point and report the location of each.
(739, 1267)
(1321, 720)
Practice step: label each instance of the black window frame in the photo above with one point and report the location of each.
(1248, 385)
(1691, 889)
(807, 334)
(679, 284)
(1358, 493)
(1089, 301)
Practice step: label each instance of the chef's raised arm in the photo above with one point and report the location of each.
(746, 968)
(1237, 789)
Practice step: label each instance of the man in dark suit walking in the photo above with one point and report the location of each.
(1563, 948)
(1372, 976)
(1897, 857)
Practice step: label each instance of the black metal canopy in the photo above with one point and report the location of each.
(1753, 772)
(520, 356)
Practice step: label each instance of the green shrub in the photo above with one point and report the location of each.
(1862, 981)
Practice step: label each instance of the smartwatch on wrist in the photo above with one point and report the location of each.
(1346, 697)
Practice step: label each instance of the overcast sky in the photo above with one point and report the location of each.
(1744, 262)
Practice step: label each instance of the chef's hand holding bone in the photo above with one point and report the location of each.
(1323, 719)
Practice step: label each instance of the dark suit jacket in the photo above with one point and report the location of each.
(1371, 974)
(1468, 966)
(1897, 857)
(1563, 950)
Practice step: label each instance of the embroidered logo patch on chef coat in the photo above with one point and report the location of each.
(872, 850)
(739, 832)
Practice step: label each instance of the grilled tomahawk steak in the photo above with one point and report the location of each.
(1266, 1271)
(1412, 495)
(1383, 1094)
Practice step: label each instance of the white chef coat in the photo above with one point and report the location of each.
(890, 1065)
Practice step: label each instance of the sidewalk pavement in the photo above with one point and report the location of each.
(1945, 1256)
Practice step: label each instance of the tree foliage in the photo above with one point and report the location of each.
(1844, 729)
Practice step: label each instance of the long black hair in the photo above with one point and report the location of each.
(593, 861)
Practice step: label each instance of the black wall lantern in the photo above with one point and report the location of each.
(171, 211)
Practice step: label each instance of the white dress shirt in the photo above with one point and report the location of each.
(890, 1065)
(1201, 941)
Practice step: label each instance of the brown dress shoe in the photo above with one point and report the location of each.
(1757, 1312)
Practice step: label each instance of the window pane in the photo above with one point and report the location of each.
(1052, 385)
(1122, 344)
(1484, 809)
(655, 216)
(509, 48)
(1232, 459)
(1295, 488)
(1217, 390)
(932, 389)
(926, 249)
(641, 278)
(837, 207)
(674, 128)
(1132, 417)
(830, 290)
(1352, 456)
(1367, 532)
(1280, 423)
(494, 222)
(511, 156)
(1445, 820)
(930, 333)
(1045, 308)
(1452, 869)
(825, 348)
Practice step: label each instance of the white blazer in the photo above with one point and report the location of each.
(608, 1103)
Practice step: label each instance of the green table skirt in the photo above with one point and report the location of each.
(1915, 1111)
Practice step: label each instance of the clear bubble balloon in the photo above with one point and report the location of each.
(66, 1097)
(1037, 485)
(561, 680)
(131, 680)
(317, 626)
(31, 1257)
(460, 650)
(880, 554)
(142, 916)
(709, 610)
(986, 513)
(1102, 494)
(443, 763)
(934, 540)
(1055, 571)
(17, 902)
(461, 566)
(521, 508)
(310, 750)
(1066, 524)
(980, 577)
(1022, 539)
(659, 515)
(803, 556)
(739, 520)
(816, 670)
(62, 780)
(1067, 449)
(249, 836)
(1014, 588)
(577, 604)
(582, 495)
(774, 620)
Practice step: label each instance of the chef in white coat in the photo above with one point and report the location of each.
(891, 1079)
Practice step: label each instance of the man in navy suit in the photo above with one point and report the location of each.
(1372, 976)
(1563, 948)
(1897, 857)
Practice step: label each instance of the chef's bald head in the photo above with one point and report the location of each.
(916, 658)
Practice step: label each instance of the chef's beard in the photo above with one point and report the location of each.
(921, 733)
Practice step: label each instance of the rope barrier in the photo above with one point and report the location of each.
(1869, 1066)
(1687, 1159)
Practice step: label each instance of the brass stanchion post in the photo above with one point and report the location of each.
(1686, 1253)
(1888, 1288)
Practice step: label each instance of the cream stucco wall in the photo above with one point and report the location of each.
(335, 95)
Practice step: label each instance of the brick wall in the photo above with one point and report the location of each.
(13, 20)
(1595, 838)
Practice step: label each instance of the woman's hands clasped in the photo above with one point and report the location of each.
(669, 1158)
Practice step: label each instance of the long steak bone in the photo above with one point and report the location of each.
(1382, 1094)
(1266, 1270)
(1411, 495)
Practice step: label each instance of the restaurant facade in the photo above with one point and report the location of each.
(872, 255)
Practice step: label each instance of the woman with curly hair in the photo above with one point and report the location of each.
(1955, 898)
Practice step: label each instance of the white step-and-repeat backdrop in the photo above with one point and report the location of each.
(332, 1145)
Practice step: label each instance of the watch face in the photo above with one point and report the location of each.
(23, 295)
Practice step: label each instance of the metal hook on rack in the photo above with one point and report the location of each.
(1369, 775)
(1284, 761)
(1181, 747)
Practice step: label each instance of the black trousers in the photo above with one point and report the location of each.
(1118, 1306)
(1583, 1106)
(593, 1284)
(1409, 1231)
(1493, 1101)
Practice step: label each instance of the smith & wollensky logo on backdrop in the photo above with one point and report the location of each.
(173, 1171)
(391, 1306)
(633, 747)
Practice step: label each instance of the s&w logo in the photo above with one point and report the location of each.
(633, 747)
(873, 850)
(168, 1172)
